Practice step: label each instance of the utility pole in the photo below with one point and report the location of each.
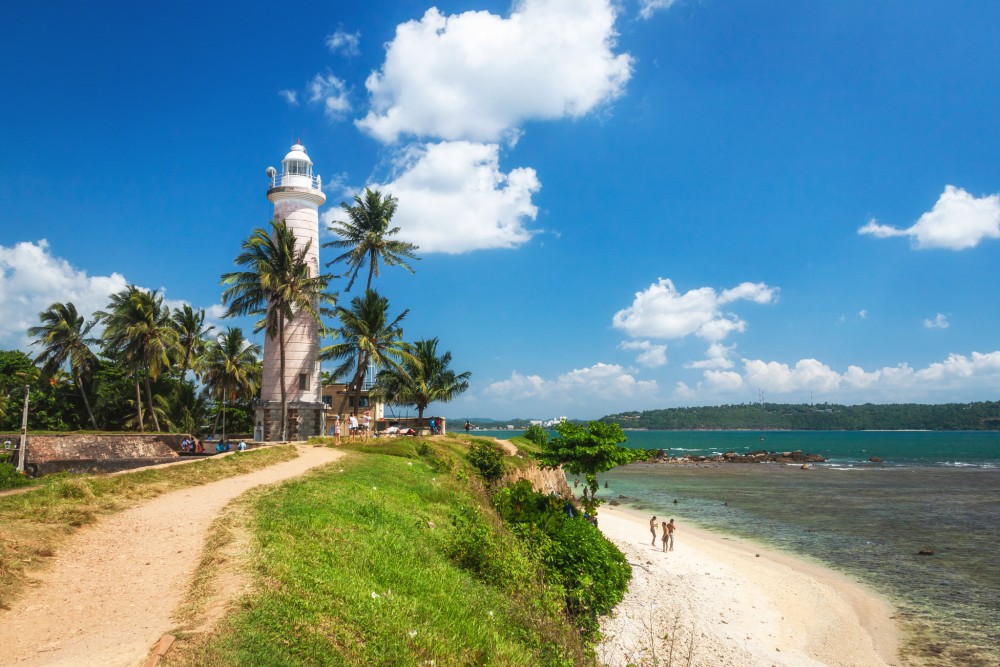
(24, 432)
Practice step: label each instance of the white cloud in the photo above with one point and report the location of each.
(959, 377)
(333, 94)
(453, 198)
(290, 96)
(478, 76)
(32, 279)
(863, 314)
(606, 382)
(347, 43)
(957, 221)
(650, 356)
(661, 311)
(940, 321)
(717, 357)
(648, 7)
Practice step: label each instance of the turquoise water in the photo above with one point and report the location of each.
(935, 490)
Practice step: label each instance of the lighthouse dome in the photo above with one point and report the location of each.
(298, 153)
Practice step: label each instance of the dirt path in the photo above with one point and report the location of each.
(112, 590)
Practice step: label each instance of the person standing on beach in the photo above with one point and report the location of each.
(665, 538)
(652, 529)
(668, 534)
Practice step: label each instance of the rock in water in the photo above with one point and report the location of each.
(875, 459)
(925, 552)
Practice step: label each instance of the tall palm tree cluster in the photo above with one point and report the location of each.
(156, 368)
(178, 373)
(276, 285)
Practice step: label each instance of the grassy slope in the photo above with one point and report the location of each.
(33, 525)
(356, 565)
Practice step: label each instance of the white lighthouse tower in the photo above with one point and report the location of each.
(297, 196)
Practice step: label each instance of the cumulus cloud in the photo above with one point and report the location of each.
(347, 43)
(32, 279)
(958, 377)
(290, 96)
(957, 221)
(332, 93)
(650, 355)
(940, 321)
(478, 76)
(661, 311)
(717, 357)
(454, 198)
(648, 7)
(606, 382)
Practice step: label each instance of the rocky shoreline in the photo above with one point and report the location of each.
(757, 456)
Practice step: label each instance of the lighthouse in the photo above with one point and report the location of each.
(297, 196)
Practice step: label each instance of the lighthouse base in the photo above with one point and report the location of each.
(305, 420)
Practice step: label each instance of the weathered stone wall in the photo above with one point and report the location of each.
(102, 452)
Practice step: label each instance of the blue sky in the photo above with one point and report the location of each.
(620, 205)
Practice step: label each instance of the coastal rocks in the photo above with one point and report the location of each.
(874, 459)
(759, 456)
(925, 552)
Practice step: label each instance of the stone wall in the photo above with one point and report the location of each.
(84, 452)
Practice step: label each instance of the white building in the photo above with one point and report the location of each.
(297, 196)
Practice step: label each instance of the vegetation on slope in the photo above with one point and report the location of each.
(397, 557)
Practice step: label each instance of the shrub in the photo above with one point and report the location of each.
(591, 570)
(10, 477)
(537, 435)
(479, 547)
(487, 458)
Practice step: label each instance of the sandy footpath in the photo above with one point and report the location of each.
(113, 588)
(730, 603)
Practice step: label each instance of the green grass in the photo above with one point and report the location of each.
(33, 525)
(359, 564)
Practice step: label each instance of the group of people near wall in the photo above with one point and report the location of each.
(194, 446)
(351, 428)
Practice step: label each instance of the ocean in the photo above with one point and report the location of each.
(936, 491)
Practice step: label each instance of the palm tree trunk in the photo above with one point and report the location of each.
(355, 382)
(420, 417)
(149, 401)
(371, 271)
(86, 402)
(215, 422)
(138, 403)
(284, 389)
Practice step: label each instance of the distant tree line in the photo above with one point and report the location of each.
(979, 416)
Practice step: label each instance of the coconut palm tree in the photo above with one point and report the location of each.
(423, 379)
(63, 335)
(276, 285)
(232, 368)
(191, 331)
(368, 339)
(138, 333)
(364, 237)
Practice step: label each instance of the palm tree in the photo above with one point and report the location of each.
(191, 332)
(368, 338)
(365, 236)
(138, 332)
(421, 380)
(232, 368)
(278, 286)
(64, 337)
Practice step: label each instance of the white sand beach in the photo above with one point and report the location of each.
(729, 603)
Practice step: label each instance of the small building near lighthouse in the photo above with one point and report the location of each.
(297, 195)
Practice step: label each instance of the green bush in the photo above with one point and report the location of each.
(477, 546)
(537, 435)
(10, 477)
(487, 458)
(591, 570)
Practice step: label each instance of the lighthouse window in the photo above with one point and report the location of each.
(296, 167)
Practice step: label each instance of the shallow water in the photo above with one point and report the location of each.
(936, 490)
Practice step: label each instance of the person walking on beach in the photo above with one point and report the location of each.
(668, 534)
(665, 538)
(652, 529)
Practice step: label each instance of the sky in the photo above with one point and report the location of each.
(619, 205)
